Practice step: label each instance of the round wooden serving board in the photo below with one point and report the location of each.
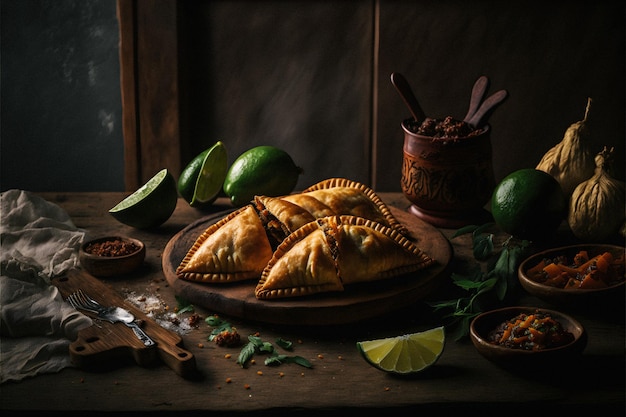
(357, 302)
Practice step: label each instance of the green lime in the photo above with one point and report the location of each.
(151, 205)
(200, 183)
(405, 354)
(263, 170)
(529, 204)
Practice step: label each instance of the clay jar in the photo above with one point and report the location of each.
(448, 181)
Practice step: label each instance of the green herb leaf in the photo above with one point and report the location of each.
(184, 305)
(279, 359)
(246, 354)
(483, 247)
(465, 230)
(285, 344)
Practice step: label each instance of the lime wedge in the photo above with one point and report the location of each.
(200, 183)
(151, 205)
(405, 354)
(211, 176)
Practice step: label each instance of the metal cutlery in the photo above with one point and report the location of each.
(113, 314)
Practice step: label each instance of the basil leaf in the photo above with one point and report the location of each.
(285, 344)
(246, 354)
(483, 247)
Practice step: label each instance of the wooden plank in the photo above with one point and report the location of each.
(150, 88)
(130, 127)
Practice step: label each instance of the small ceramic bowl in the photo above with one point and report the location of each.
(518, 358)
(112, 255)
(574, 298)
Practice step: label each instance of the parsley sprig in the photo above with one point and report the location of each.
(482, 288)
(257, 345)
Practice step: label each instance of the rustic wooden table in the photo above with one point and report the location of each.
(340, 380)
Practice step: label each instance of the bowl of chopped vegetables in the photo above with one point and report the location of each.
(111, 256)
(521, 336)
(579, 276)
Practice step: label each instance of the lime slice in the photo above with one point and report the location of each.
(200, 183)
(151, 205)
(211, 176)
(404, 354)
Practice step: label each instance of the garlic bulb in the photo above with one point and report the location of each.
(571, 161)
(597, 206)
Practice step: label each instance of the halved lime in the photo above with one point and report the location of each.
(151, 205)
(200, 183)
(404, 354)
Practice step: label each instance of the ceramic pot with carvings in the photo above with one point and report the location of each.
(449, 181)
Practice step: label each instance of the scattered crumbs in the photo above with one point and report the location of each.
(281, 374)
(200, 345)
(246, 386)
(320, 356)
(252, 362)
(153, 306)
(340, 357)
(229, 380)
(260, 373)
(227, 356)
(387, 389)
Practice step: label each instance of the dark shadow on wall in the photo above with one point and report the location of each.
(61, 107)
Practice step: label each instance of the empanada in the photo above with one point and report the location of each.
(334, 251)
(340, 196)
(235, 248)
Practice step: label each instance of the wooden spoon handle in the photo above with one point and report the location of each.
(479, 118)
(406, 92)
(478, 93)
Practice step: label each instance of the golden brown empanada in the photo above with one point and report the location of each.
(335, 251)
(280, 217)
(235, 248)
(340, 196)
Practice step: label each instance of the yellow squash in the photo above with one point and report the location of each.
(571, 161)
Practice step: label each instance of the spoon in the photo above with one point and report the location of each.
(478, 92)
(405, 91)
(478, 119)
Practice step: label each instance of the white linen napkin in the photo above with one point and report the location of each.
(38, 242)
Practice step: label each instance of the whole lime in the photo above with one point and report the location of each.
(262, 170)
(200, 183)
(529, 204)
(150, 205)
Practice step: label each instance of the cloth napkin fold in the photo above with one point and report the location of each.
(38, 242)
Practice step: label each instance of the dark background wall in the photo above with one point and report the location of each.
(311, 77)
(60, 100)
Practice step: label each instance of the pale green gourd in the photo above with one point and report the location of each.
(597, 206)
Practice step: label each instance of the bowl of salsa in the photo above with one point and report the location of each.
(580, 277)
(520, 336)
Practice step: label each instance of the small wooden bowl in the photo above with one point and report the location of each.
(111, 265)
(522, 359)
(576, 298)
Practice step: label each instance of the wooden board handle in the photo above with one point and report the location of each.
(106, 341)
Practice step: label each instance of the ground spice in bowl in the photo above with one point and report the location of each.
(113, 247)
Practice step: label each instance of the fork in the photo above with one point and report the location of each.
(81, 301)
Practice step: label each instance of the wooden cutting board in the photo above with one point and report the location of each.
(104, 342)
(356, 302)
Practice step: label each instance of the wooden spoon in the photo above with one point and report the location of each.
(405, 91)
(478, 93)
(479, 118)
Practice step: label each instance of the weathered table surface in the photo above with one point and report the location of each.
(340, 380)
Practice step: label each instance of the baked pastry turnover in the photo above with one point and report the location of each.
(334, 251)
(334, 233)
(235, 248)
